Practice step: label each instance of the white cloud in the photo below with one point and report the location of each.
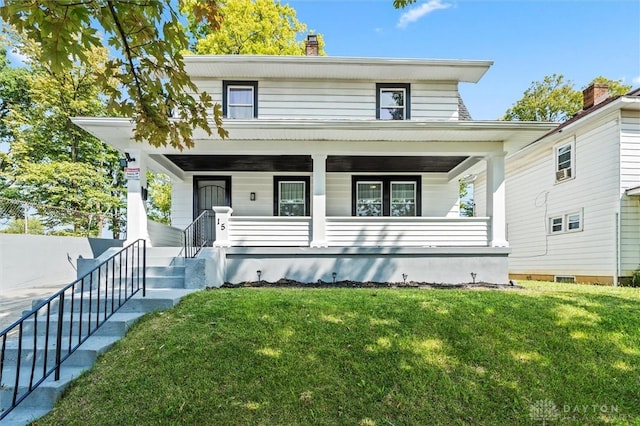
(412, 15)
(636, 80)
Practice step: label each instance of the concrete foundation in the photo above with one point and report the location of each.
(429, 264)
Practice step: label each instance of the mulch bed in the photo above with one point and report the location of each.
(287, 283)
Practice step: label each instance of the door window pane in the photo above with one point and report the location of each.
(291, 202)
(403, 199)
(369, 199)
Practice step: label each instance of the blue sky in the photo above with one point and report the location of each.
(527, 40)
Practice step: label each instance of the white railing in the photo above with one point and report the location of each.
(408, 231)
(275, 231)
(256, 231)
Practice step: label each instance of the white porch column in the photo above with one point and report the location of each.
(136, 212)
(319, 210)
(222, 226)
(496, 200)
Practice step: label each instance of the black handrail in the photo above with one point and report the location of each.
(196, 235)
(124, 270)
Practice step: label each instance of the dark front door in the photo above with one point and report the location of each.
(210, 192)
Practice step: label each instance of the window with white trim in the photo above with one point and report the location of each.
(240, 99)
(369, 198)
(291, 196)
(570, 222)
(556, 224)
(564, 160)
(393, 101)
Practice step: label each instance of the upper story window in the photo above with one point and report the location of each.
(565, 161)
(393, 101)
(240, 99)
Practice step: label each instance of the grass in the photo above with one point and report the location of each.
(372, 357)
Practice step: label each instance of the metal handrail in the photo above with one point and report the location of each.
(109, 285)
(195, 235)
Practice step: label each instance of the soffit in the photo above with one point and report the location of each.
(240, 67)
(302, 163)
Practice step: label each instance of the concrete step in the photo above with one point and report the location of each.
(175, 281)
(85, 355)
(21, 416)
(45, 395)
(116, 325)
(165, 256)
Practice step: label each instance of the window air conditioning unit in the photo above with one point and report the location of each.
(563, 174)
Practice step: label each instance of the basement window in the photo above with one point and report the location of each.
(564, 279)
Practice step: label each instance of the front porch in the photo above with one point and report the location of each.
(259, 231)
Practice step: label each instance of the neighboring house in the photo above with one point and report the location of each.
(573, 195)
(345, 166)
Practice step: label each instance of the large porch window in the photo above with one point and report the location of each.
(291, 196)
(386, 196)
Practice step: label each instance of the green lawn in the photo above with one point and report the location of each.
(565, 354)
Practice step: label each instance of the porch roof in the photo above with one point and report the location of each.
(364, 136)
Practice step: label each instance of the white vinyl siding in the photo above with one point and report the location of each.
(630, 206)
(533, 197)
(181, 202)
(342, 100)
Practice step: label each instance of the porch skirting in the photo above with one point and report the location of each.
(448, 265)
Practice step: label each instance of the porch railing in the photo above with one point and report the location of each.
(255, 231)
(408, 231)
(35, 346)
(196, 235)
(269, 230)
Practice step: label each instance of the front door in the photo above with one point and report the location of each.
(210, 192)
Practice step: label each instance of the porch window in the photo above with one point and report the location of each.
(291, 196)
(240, 99)
(403, 198)
(369, 199)
(386, 195)
(392, 101)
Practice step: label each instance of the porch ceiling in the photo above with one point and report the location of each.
(303, 163)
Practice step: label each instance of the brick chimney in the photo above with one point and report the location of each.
(594, 94)
(311, 45)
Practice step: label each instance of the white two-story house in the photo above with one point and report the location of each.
(335, 167)
(573, 195)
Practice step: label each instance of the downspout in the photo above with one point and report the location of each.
(616, 274)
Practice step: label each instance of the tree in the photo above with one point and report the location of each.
(14, 91)
(555, 99)
(159, 201)
(250, 27)
(17, 226)
(552, 99)
(616, 87)
(51, 161)
(148, 39)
